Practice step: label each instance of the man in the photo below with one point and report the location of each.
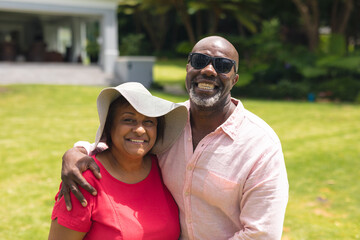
(226, 172)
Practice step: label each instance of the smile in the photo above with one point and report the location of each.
(136, 140)
(206, 86)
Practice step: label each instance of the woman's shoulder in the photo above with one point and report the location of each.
(89, 175)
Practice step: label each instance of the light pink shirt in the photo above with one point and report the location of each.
(233, 185)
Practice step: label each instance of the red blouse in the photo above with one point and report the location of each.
(145, 210)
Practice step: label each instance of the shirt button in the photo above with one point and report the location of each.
(190, 167)
(189, 139)
(187, 193)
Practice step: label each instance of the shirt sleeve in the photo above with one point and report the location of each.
(90, 147)
(79, 218)
(265, 198)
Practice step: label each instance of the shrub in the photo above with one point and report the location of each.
(92, 49)
(345, 89)
(131, 45)
(357, 99)
(184, 48)
(282, 90)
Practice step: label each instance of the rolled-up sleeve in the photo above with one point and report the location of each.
(264, 198)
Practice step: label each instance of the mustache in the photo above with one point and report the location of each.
(210, 78)
(214, 79)
(205, 77)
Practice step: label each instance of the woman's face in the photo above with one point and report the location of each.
(133, 134)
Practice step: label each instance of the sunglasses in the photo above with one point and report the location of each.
(221, 65)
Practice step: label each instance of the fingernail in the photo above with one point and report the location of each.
(68, 208)
(84, 203)
(94, 193)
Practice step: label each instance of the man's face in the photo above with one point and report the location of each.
(207, 87)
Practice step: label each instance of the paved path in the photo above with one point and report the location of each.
(52, 73)
(63, 74)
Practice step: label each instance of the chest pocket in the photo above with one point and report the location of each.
(222, 193)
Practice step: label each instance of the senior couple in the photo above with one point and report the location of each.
(205, 169)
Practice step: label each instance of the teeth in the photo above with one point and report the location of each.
(136, 141)
(206, 86)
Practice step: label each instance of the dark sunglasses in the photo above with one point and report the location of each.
(221, 65)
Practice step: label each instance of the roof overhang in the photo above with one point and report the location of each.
(59, 6)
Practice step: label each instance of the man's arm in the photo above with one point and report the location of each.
(75, 161)
(266, 190)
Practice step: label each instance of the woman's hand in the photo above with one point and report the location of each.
(75, 161)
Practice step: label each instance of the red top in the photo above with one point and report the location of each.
(145, 210)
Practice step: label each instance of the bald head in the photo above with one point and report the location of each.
(218, 45)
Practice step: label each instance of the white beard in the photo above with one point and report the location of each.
(204, 102)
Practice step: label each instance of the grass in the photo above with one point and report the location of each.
(37, 124)
(320, 143)
(170, 71)
(321, 147)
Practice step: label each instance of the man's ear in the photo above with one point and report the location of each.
(235, 79)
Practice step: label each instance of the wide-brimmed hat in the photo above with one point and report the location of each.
(142, 101)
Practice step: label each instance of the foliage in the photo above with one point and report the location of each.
(345, 89)
(337, 44)
(92, 49)
(272, 37)
(281, 70)
(244, 12)
(283, 90)
(357, 99)
(92, 45)
(184, 48)
(131, 45)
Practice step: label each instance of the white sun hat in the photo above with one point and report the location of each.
(142, 101)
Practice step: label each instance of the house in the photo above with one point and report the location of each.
(58, 30)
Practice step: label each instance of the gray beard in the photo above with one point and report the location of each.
(204, 102)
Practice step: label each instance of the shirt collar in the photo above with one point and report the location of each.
(232, 124)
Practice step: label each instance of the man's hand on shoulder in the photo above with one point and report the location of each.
(74, 162)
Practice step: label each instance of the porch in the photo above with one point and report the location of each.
(53, 73)
(59, 31)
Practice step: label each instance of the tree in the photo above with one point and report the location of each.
(340, 15)
(182, 10)
(310, 15)
(353, 28)
(244, 12)
(153, 16)
(338, 19)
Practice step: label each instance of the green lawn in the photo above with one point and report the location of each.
(170, 71)
(320, 142)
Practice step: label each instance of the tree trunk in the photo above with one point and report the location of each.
(213, 19)
(199, 24)
(309, 13)
(340, 18)
(156, 27)
(181, 9)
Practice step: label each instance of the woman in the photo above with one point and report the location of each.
(132, 201)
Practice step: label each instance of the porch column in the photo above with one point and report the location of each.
(51, 36)
(78, 39)
(109, 41)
